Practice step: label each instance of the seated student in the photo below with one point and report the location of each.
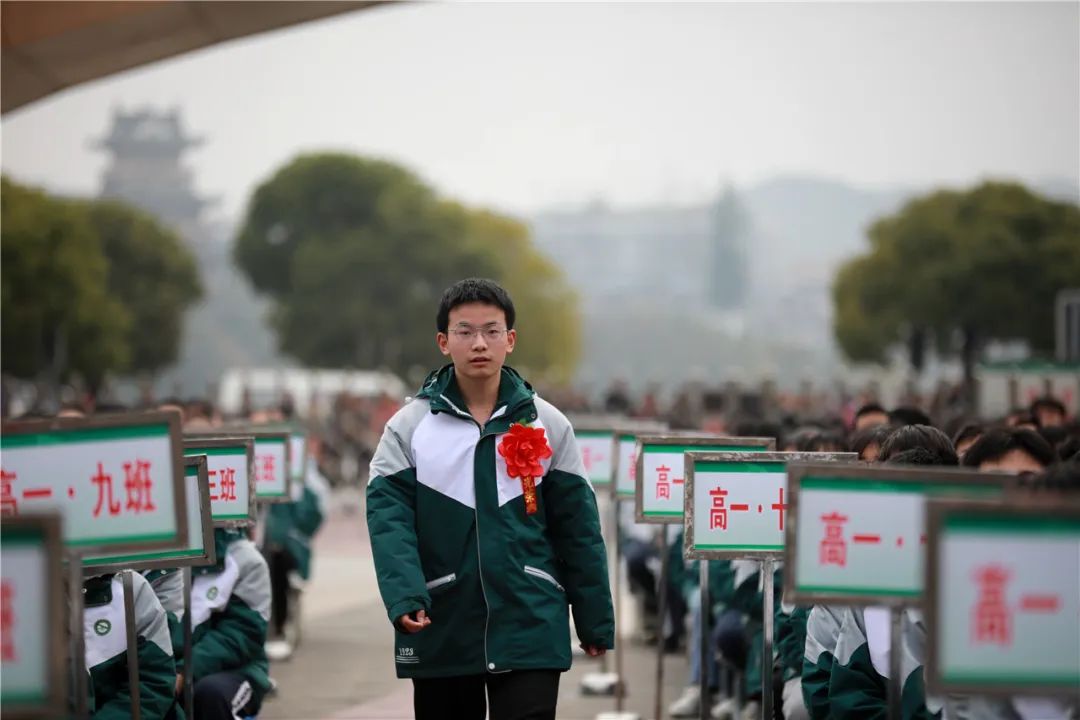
(105, 635)
(858, 678)
(790, 626)
(1014, 450)
(1048, 411)
(290, 528)
(230, 609)
(168, 587)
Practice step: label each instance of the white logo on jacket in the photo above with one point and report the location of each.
(211, 592)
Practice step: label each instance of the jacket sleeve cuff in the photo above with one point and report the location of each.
(404, 607)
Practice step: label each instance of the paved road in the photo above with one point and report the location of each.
(344, 670)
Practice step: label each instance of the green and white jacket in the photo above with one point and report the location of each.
(105, 636)
(819, 653)
(859, 678)
(230, 612)
(451, 536)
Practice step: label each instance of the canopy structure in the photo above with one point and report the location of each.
(50, 46)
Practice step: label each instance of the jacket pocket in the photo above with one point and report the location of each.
(441, 581)
(537, 572)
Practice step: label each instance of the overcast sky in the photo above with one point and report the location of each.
(522, 106)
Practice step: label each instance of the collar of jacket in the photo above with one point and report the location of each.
(223, 537)
(514, 403)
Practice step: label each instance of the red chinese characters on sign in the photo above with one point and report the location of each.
(663, 483)
(7, 621)
(8, 505)
(780, 507)
(266, 468)
(138, 484)
(104, 483)
(718, 511)
(227, 484)
(992, 621)
(833, 549)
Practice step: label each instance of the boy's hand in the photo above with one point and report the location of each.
(593, 651)
(414, 626)
(179, 683)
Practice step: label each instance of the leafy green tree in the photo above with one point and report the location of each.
(959, 269)
(58, 317)
(153, 274)
(355, 253)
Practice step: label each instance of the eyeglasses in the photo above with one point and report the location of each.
(465, 333)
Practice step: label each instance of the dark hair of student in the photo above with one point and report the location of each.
(967, 432)
(474, 290)
(870, 407)
(1063, 477)
(1047, 402)
(876, 435)
(107, 408)
(921, 456)
(752, 428)
(925, 437)
(1070, 449)
(909, 416)
(996, 443)
(1054, 435)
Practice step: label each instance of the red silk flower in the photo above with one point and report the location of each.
(523, 448)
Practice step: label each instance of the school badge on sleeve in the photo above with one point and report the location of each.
(523, 448)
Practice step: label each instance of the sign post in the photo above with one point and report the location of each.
(735, 508)
(31, 618)
(659, 482)
(857, 536)
(1002, 598)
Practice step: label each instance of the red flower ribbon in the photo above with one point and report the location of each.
(523, 448)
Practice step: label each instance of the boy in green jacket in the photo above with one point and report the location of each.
(104, 632)
(484, 529)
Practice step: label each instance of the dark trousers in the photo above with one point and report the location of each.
(280, 564)
(226, 696)
(515, 695)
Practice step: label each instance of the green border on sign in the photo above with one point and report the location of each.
(239, 450)
(662, 513)
(865, 485)
(68, 437)
(869, 591)
(594, 434)
(741, 466)
(162, 555)
(24, 536)
(116, 539)
(662, 449)
(1009, 678)
(1010, 525)
(710, 546)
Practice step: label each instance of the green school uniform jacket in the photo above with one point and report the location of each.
(450, 535)
(292, 525)
(819, 652)
(104, 632)
(858, 684)
(230, 611)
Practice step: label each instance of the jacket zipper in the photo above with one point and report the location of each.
(537, 572)
(476, 517)
(439, 582)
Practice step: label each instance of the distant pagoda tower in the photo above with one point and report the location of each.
(145, 169)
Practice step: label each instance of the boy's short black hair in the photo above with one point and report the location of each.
(909, 416)
(996, 443)
(1048, 402)
(474, 290)
(919, 456)
(936, 446)
(870, 407)
(876, 435)
(1063, 477)
(1070, 449)
(967, 432)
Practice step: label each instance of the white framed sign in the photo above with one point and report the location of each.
(231, 470)
(117, 481)
(597, 453)
(660, 478)
(199, 549)
(857, 532)
(273, 480)
(32, 653)
(736, 503)
(1003, 597)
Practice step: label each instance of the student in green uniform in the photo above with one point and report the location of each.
(230, 609)
(105, 635)
(484, 529)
